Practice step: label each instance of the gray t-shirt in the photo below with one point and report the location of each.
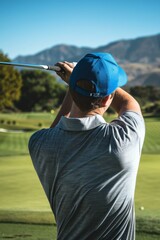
(88, 170)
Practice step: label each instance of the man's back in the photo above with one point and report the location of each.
(88, 170)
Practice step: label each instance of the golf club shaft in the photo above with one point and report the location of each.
(46, 67)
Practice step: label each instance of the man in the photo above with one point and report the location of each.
(88, 167)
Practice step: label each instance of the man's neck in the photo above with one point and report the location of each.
(77, 113)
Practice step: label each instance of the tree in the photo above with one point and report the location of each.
(10, 84)
(40, 91)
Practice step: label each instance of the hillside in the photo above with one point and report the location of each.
(55, 54)
(139, 50)
(139, 57)
(148, 79)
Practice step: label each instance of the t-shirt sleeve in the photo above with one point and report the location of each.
(128, 129)
(35, 142)
(41, 161)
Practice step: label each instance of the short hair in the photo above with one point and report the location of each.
(85, 103)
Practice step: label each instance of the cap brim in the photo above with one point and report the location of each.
(122, 77)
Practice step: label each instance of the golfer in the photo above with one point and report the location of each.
(88, 166)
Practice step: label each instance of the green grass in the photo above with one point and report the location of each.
(144, 236)
(14, 143)
(27, 121)
(22, 199)
(147, 188)
(46, 232)
(22, 191)
(152, 138)
(27, 231)
(27, 116)
(20, 186)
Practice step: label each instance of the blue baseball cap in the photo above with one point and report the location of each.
(102, 71)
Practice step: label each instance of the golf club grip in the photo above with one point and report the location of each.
(57, 68)
(54, 68)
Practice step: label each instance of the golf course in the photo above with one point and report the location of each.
(24, 209)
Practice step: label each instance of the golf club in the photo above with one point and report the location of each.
(45, 67)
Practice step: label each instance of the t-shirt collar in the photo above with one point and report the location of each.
(81, 124)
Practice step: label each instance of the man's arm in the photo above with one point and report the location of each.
(65, 109)
(123, 101)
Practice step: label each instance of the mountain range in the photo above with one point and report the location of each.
(140, 57)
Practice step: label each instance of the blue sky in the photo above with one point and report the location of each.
(30, 26)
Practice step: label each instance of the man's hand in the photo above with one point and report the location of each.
(66, 71)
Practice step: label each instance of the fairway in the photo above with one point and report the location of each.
(147, 189)
(44, 232)
(152, 138)
(23, 199)
(22, 191)
(19, 184)
(14, 143)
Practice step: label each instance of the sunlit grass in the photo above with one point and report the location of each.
(22, 198)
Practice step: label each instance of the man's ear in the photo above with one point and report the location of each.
(105, 100)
